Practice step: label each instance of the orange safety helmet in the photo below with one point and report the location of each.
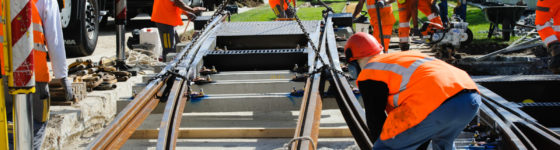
(361, 45)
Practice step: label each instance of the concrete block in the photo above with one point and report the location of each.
(253, 75)
(249, 86)
(262, 103)
(69, 124)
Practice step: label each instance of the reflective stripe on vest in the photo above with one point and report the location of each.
(398, 69)
(372, 6)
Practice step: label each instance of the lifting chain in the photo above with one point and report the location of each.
(317, 53)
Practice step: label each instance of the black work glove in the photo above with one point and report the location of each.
(67, 86)
(435, 9)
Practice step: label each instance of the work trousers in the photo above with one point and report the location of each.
(442, 126)
(387, 22)
(405, 14)
(545, 11)
(168, 38)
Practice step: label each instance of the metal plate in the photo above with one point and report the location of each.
(516, 88)
(264, 35)
(268, 59)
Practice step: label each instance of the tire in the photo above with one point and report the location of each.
(469, 39)
(81, 35)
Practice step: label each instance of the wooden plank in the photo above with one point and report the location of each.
(329, 132)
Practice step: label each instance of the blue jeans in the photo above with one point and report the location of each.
(442, 126)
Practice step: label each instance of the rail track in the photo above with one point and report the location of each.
(308, 43)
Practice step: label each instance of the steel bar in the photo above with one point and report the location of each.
(212, 133)
(511, 48)
(23, 121)
(129, 128)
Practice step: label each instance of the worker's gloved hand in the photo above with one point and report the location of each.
(67, 86)
(435, 9)
(380, 4)
(198, 9)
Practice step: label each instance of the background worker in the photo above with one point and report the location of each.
(548, 30)
(281, 8)
(47, 38)
(406, 8)
(410, 97)
(167, 14)
(460, 10)
(387, 18)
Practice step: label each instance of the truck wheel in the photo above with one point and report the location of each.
(81, 35)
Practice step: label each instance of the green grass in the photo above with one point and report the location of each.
(264, 12)
(475, 17)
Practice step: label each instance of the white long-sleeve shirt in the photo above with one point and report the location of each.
(52, 28)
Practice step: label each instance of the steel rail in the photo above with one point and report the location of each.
(307, 129)
(353, 112)
(132, 116)
(536, 134)
(310, 115)
(492, 115)
(168, 119)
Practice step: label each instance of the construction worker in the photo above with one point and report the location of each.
(167, 14)
(546, 11)
(47, 38)
(406, 8)
(410, 97)
(281, 8)
(387, 18)
(460, 10)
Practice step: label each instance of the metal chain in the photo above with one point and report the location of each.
(317, 53)
(195, 39)
(325, 66)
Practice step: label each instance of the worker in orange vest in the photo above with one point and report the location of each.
(281, 8)
(167, 14)
(410, 97)
(47, 38)
(546, 11)
(387, 18)
(406, 7)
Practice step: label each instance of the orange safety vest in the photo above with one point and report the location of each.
(39, 47)
(417, 84)
(165, 12)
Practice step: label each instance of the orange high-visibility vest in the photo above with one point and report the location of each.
(417, 84)
(39, 47)
(545, 11)
(165, 12)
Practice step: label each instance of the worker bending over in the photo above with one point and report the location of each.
(387, 18)
(406, 8)
(410, 97)
(281, 8)
(167, 14)
(549, 31)
(47, 38)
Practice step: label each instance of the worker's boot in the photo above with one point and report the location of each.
(554, 49)
(404, 46)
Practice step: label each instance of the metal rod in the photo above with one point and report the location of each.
(120, 42)
(23, 121)
(380, 26)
